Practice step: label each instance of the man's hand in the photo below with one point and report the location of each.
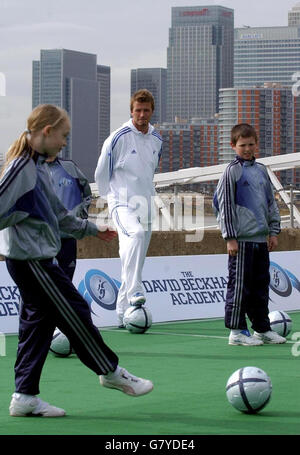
(273, 242)
(232, 247)
(107, 235)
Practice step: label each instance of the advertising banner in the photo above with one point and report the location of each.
(176, 287)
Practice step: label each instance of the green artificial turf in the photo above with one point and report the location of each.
(189, 363)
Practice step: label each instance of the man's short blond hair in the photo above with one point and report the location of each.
(142, 96)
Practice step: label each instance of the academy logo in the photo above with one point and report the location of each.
(98, 289)
(282, 281)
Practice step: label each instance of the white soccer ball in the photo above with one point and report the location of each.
(249, 389)
(280, 322)
(60, 345)
(137, 319)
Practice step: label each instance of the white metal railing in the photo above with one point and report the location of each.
(213, 173)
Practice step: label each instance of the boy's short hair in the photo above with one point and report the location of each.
(242, 130)
(142, 96)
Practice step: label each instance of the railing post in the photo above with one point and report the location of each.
(176, 208)
(292, 206)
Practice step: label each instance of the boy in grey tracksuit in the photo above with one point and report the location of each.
(250, 222)
(73, 189)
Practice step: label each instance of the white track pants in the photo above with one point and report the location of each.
(134, 239)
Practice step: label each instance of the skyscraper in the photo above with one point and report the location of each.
(103, 77)
(199, 60)
(266, 54)
(294, 16)
(154, 80)
(273, 111)
(70, 79)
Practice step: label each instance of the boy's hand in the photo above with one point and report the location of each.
(273, 242)
(107, 235)
(232, 247)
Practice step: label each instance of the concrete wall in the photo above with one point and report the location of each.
(175, 244)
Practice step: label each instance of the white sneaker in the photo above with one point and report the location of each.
(137, 299)
(243, 338)
(127, 383)
(270, 337)
(23, 405)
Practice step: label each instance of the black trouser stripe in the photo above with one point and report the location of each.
(70, 315)
(238, 285)
(64, 308)
(242, 246)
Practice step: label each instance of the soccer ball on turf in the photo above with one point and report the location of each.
(280, 322)
(249, 389)
(60, 345)
(137, 319)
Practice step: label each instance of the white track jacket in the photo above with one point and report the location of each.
(126, 166)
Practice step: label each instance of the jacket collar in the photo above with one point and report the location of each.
(38, 157)
(246, 162)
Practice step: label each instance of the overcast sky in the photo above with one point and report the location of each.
(124, 35)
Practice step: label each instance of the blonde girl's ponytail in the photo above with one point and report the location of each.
(41, 116)
(18, 148)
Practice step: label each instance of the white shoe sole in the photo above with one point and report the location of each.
(240, 343)
(273, 342)
(125, 389)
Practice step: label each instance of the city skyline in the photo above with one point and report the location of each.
(73, 80)
(26, 28)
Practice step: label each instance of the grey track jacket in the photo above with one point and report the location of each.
(245, 204)
(31, 215)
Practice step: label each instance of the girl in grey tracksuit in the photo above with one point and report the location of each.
(31, 219)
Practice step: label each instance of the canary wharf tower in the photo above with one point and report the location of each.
(199, 60)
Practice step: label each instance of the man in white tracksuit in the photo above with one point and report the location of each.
(124, 176)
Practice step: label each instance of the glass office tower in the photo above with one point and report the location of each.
(103, 77)
(266, 54)
(154, 80)
(71, 80)
(199, 60)
(294, 16)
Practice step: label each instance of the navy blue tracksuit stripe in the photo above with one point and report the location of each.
(120, 133)
(227, 203)
(118, 222)
(69, 314)
(17, 167)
